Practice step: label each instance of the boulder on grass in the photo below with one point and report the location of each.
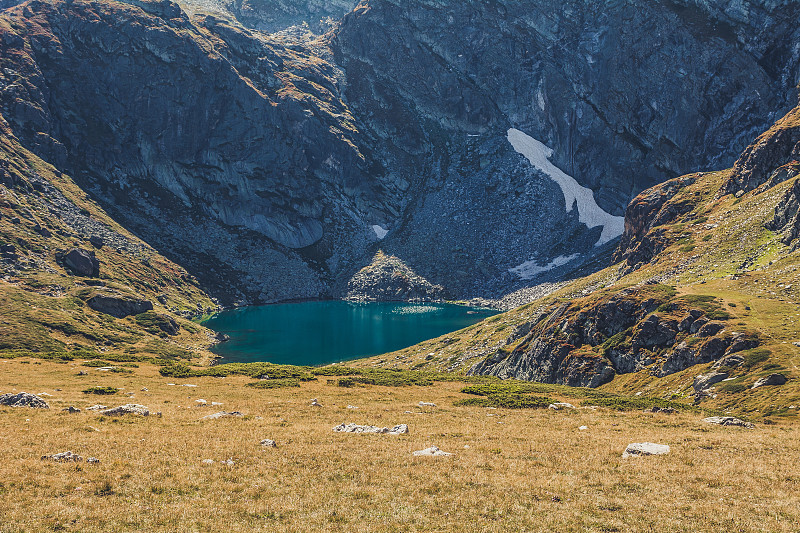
(772, 379)
(640, 449)
(82, 263)
(728, 421)
(119, 307)
(23, 399)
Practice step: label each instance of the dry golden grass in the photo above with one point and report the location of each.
(527, 470)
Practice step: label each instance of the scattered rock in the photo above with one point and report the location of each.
(352, 407)
(732, 361)
(772, 379)
(228, 462)
(127, 409)
(200, 402)
(638, 449)
(665, 410)
(268, 443)
(399, 429)
(63, 457)
(82, 373)
(208, 461)
(145, 389)
(704, 381)
(222, 414)
(583, 428)
(427, 404)
(71, 409)
(118, 306)
(728, 421)
(93, 460)
(433, 451)
(97, 407)
(23, 399)
(216, 404)
(315, 403)
(560, 405)
(96, 241)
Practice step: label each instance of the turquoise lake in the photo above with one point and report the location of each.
(321, 332)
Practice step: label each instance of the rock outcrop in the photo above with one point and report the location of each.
(388, 279)
(82, 262)
(119, 306)
(589, 341)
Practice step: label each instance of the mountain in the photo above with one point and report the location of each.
(704, 288)
(273, 166)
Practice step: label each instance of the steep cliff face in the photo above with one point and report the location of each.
(469, 140)
(230, 152)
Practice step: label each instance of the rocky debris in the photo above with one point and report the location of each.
(388, 278)
(23, 399)
(223, 414)
(400, 429)
(733, 360)
(427, 404)
(558, 406)
(704, 381)
(639, 449)
(201, 402)
(93, 460)
(207, 461)
(82, 373)
(127, 409)
(97, 407)
(268, 443)
(118, 306)
(664, 410)
(787, 216)
(583, 428)
(81, 262)
(228, 462)
(71, 409)
(96, 241)
(63, 457)
(315, 403)
(433, 451)
(772, 379)
(728, 421)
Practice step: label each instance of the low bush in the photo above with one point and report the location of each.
(101, 390)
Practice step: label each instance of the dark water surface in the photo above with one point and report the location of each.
(315, 333)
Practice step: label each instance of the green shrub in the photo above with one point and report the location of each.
(633, 404)
(275, 383)
(755, 356)
(101, 390)
(507, 401)
(96, 363)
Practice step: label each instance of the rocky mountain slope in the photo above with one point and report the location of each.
(272, 166)
(701, 303)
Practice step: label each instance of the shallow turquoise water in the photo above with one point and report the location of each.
(315, 333)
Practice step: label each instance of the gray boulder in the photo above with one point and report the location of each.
(127, 409)
(433, 451)
(119, 307)
(728, 421)
(772, 379)
(223, 414)
(23, 399)
(704, 381)
(639, 449)
(82, 263)
(63, 457)
(710, 329)
(400, 429)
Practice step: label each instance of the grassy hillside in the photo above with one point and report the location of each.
(44, 214)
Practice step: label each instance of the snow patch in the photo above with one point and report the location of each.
(379, 231)
(531, 269)
(589, 212)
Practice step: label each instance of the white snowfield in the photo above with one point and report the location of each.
(379, 231)
(531, 269)
(589, 212)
